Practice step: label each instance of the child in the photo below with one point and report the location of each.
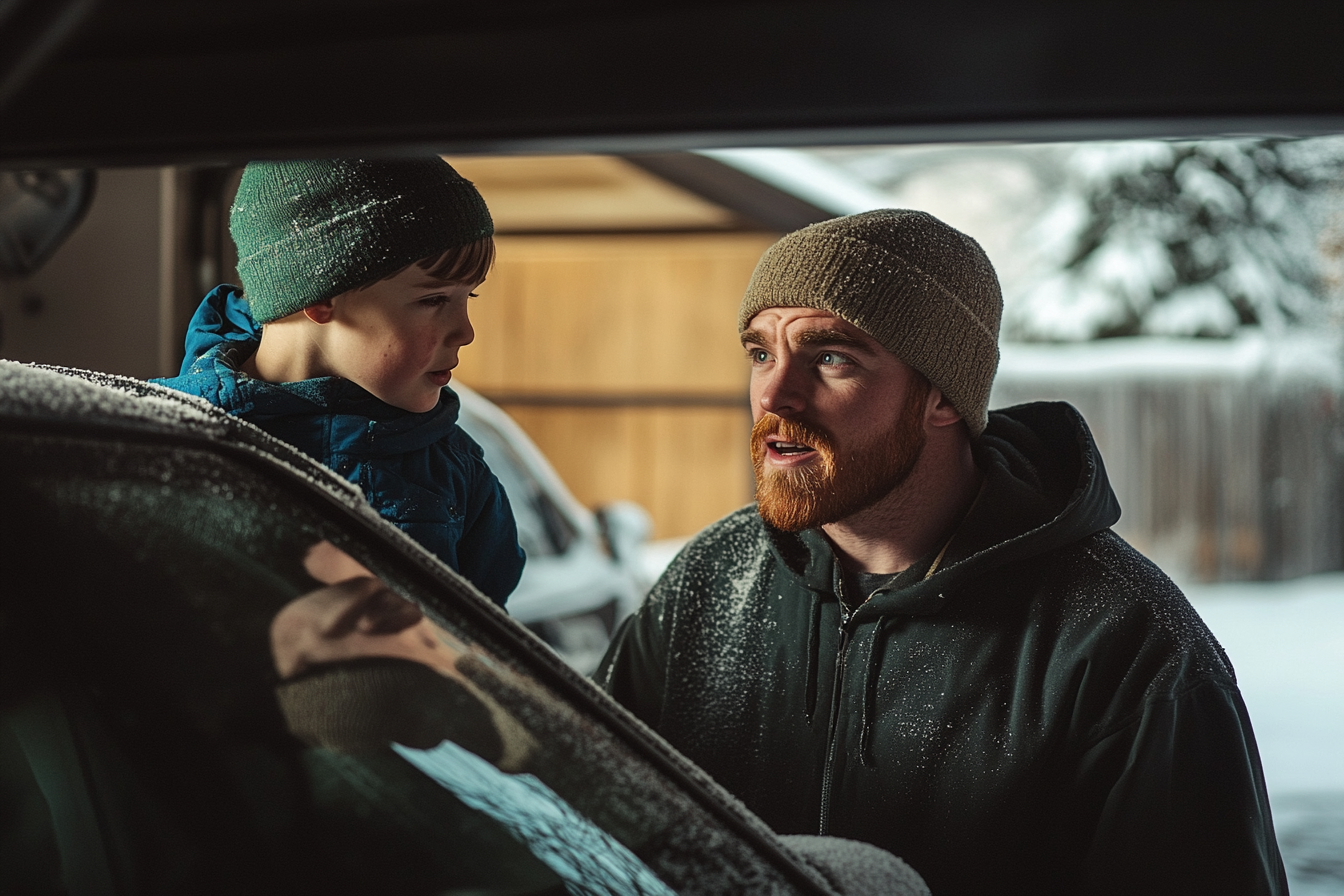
(356, 276)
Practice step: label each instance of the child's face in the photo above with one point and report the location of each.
(399, 337)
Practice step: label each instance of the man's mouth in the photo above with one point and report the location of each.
(788, 449)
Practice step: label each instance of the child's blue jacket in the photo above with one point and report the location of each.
(420, 471)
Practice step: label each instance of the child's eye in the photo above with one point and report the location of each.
(472, 295)
(433, 301)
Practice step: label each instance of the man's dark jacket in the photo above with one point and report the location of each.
(1046, 713)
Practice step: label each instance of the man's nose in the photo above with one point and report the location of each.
(781, 391)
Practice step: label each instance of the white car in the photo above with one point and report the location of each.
(585, 571)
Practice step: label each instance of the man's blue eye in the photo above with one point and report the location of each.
(760, 356)
(832, 358)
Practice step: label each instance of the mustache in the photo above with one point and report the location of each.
(786, 430)
(772, 427)
(790, 499)
(810, 478)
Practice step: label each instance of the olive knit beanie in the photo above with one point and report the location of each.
(310, 230)
(923, 290)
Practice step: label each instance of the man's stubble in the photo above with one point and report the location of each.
(836, 486)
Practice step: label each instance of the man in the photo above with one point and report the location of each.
(924, 634)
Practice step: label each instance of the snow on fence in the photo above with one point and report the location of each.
(1227, 455)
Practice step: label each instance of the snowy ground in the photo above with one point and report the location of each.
(1286, 641)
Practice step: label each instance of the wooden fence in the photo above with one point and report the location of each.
(1227, 458)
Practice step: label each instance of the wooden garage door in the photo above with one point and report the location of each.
(618, 354)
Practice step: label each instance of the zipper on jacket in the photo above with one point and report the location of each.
(837, 687)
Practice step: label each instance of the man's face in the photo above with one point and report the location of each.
(399, 338)
(839, 420)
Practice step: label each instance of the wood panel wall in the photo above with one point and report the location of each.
(618, 355)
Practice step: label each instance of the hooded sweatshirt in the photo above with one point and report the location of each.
(419, 471)
(1046, 713)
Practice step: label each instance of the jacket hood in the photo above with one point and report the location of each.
(223, 334)
(1045, 486)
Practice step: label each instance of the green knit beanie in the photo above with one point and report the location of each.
(923, 290)
(310, 230)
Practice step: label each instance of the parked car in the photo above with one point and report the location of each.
(585, 571)
(156, 734)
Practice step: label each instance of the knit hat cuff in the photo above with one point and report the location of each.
(912, 314)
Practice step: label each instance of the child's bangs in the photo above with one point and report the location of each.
(463, 264)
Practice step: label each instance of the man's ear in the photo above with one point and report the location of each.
(322, 312)
(939, 411)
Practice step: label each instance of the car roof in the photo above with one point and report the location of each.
(91, 400)
(117, 82)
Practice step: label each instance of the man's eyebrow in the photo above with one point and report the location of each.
(825, 336)
(831, 337)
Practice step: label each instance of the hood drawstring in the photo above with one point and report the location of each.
(813, 647)
(871, 674)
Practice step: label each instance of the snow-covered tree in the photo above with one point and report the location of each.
(1181, 239)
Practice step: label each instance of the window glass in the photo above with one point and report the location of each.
(251, 713)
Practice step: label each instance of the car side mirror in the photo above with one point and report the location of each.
(625, 526)
(38, 210)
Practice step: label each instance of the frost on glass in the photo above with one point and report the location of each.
(162, 569)
(53, 393)
(584, 764)
(93, 398)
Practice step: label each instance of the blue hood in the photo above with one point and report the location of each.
(223, 334)
(419, 471)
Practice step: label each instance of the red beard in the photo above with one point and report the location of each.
(833, 487)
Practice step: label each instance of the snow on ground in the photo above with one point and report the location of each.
(1286, 642)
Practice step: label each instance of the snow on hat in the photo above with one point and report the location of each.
(922, 289)
(310, 230)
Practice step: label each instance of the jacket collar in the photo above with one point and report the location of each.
(223, 335)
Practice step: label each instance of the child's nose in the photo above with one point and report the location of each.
(463, 333)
